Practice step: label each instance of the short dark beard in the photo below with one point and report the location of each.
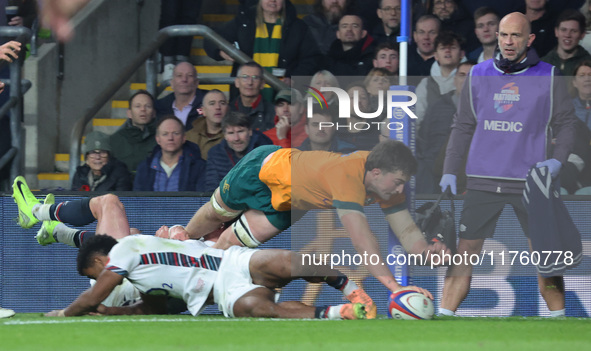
(332, 17)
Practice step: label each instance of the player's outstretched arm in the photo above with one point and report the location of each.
(365, 243)
(412, 239)
(89, 300)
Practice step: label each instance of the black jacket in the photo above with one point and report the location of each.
(357, 61)
(117, 178)
(298, 53)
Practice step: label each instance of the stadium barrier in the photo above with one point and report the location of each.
(39, 279)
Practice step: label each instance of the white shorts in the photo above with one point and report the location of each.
(124, 294)
(233, 279)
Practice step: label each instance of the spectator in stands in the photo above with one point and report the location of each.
(542, 25)
(207, 131)
(387, 56)
(388, 28)
(177, 49)
(486, 21)
(324, 78)
(239, 139)
(569, 30)
(100, 171)
(421, 52)
(175, 164)
(586, 11)
(322, 134)
(351, 54)
(289, 130)
(577, 171)
(186, 97)
(273, 35)
(134, 140)
(250, 82)
(324, 22)
(448, 55)
(582, 87)
(454, 17)
(360, 134)
(377, 80)
(433, 134)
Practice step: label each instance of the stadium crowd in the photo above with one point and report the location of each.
(191, 139)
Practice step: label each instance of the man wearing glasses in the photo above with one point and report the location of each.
(389, 26)
(250, 82)
(100, 171)
(454, 17)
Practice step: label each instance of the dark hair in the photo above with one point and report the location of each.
(572, 90)
(447, 38)
(385, 45)
(572, 15)
(250, 64)
(353, 13)
(170, 117)
(141, 92)
(99, 244)
(236, 119)
(392, 156)
(485, 10)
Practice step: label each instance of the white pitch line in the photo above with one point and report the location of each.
(145, 320)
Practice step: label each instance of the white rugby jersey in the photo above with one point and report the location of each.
(156, 266)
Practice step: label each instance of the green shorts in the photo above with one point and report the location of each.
(241, 189)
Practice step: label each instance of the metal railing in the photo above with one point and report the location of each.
(149, 57)
(14, 105)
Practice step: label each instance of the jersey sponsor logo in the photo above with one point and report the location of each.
(503, 126)
(508, 96)
(226, 187)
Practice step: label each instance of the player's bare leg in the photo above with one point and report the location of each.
(259, 303)
(552, 290)
(251, 229)
(277, 268)
(110, 215)
(107, 209)
(209, 218)
(457, 280)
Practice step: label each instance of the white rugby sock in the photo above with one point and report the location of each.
(558, 313)
(64, 234)
(334, 312)
(349, 287)
(446, 312)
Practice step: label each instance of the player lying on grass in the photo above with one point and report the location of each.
(263, 188)
(268, 269)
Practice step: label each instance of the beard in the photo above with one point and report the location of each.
(334, 13)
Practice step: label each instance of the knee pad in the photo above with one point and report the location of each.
(244, 234)
(220, 210)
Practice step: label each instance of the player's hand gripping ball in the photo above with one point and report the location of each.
(409, 304)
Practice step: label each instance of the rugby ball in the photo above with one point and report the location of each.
(409, 304)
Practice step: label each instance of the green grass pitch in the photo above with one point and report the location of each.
(34, 332)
